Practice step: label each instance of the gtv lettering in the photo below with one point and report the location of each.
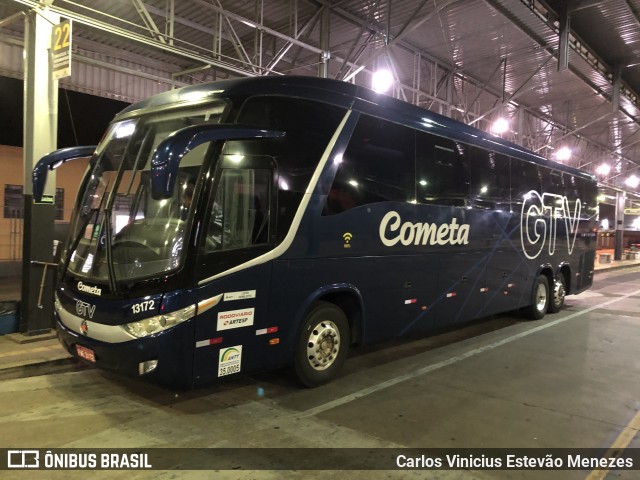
(393, 231)
(537, 210)
(85, 309)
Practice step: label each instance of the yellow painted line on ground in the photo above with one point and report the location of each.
(622, 442)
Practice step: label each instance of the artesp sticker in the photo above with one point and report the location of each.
(235, 318)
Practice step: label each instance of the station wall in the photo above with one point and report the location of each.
(68, 178)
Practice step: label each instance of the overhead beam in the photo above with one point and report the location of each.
(307, 27)
(10, 19)
(148, 21)
(138, 38)
(563, 37)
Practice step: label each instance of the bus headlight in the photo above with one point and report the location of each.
(153, 325)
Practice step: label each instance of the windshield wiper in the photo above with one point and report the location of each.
(76, 241)
(113, 286)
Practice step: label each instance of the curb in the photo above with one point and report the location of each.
(45, 367)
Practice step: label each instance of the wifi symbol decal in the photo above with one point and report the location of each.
(347, 239)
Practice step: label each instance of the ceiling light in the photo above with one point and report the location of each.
(632, 181)
(382, 80)
(603, 169)
(563, 154)
(500, 126)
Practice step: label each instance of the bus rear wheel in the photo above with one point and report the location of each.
(322, 346)
(540, 299)
(559, 293)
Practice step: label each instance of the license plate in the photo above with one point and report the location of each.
(86, 353)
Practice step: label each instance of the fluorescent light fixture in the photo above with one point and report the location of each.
(603, 169)
(500, 126)
(632, 181)
(563, 154)
(382, 80)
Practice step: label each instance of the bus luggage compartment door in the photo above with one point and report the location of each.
(461, 287)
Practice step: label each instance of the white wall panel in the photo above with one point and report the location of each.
(11, 60)
(94, 74)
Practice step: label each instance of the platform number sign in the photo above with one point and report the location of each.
(61, 49)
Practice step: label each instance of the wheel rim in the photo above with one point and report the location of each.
(323, 345)
(541, 297)
(559, 293)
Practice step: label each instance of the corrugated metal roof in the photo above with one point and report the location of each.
(471, 54)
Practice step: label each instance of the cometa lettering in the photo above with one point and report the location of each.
(87, 289)
(394, 231)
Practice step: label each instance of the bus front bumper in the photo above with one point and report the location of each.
(161, 359)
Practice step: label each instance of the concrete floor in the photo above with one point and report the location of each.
(569, 380)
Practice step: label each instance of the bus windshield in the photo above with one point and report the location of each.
(120, 232)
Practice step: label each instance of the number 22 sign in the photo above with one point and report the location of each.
(61, 49)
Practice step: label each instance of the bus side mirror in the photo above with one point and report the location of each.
(167, 157)
(53, 160)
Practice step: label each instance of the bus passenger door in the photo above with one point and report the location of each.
(232, 321)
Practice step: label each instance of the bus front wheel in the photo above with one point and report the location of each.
(540, 299)
(322, 346)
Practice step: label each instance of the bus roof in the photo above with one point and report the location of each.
(346, 95)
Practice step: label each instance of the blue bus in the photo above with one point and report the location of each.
(258, 223)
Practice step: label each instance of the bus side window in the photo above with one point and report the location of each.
(442, 171)
(587, 193)
(378, 166)
(490, 182)
(525, 176)
(552, 181)
(240, 210)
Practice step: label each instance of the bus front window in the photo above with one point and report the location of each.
(120, 231)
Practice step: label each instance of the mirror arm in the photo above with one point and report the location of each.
(53, 160)
(167, 157)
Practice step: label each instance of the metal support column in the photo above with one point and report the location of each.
(323, 66)
(40, 138)
(565, 30)
(615, 94)
(620, 199)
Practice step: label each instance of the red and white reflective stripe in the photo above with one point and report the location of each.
(264, 331)
(451, 294)
(410, 301)
(206, 343)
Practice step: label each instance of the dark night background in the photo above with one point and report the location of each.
(88, 115)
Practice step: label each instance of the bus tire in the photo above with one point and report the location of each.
(540, 299)
(559, 293)
(322, 345)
